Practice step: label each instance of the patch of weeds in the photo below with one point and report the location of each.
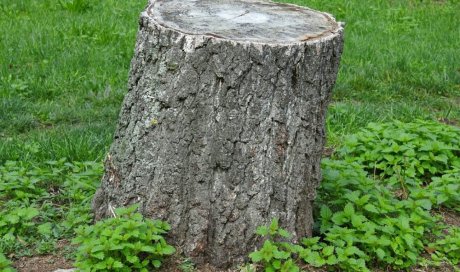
(16, 225)
(187, 266)
(380, 219)
(366, 223)
(43, 202)
(276, 255)
(421, 149)
(447, 248)
(124, 243)
(442, 191)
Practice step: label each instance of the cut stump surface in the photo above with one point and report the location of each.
(243, 21)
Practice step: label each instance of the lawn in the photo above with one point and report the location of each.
(63, 74)
(64, 67)
(63, 70)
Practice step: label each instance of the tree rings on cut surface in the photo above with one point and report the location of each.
(245, 21)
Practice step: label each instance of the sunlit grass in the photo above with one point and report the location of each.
(64, 67)
(401, 61)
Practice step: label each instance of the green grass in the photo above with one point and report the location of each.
(400, 61)
(63, 74)
(42, 203)
(64, 67)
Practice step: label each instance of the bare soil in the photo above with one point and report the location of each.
(43, 263)
(450, 217)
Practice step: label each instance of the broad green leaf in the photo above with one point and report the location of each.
(310, 241)
(339, 218)
(356, 221)
(262, 230)
(256, 256)
(156, 263)
(284, 233)
(168, 250)
(409, 240)
(276, 264)
(328, 250)
(97, 248)
(404, 223)
(132, 259)
(45, 229)
(363, 200)
(281, 254)
(424, 203)
(273, 226)
(325, 212)
(380, 253)
(29, 213)
(98, 255)
(353, 196)
(352, 250)
(331, 260)
(148, 249)
(349, 210)
(117, 264)
(107, 232)
(100, 266)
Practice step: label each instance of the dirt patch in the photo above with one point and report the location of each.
(49, 263)
(451, 122)
(328, 152)
(450, 217)
(174, 264)
(45, 263)
(442, 268)
(178, 264)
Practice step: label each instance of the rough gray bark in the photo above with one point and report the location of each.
(223, 130)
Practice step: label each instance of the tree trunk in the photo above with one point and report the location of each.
(222, 128)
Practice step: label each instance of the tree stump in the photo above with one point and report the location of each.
(223, 125)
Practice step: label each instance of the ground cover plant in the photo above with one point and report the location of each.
(366, 220)
(63, 72)
(126, 242)
(43, 202)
